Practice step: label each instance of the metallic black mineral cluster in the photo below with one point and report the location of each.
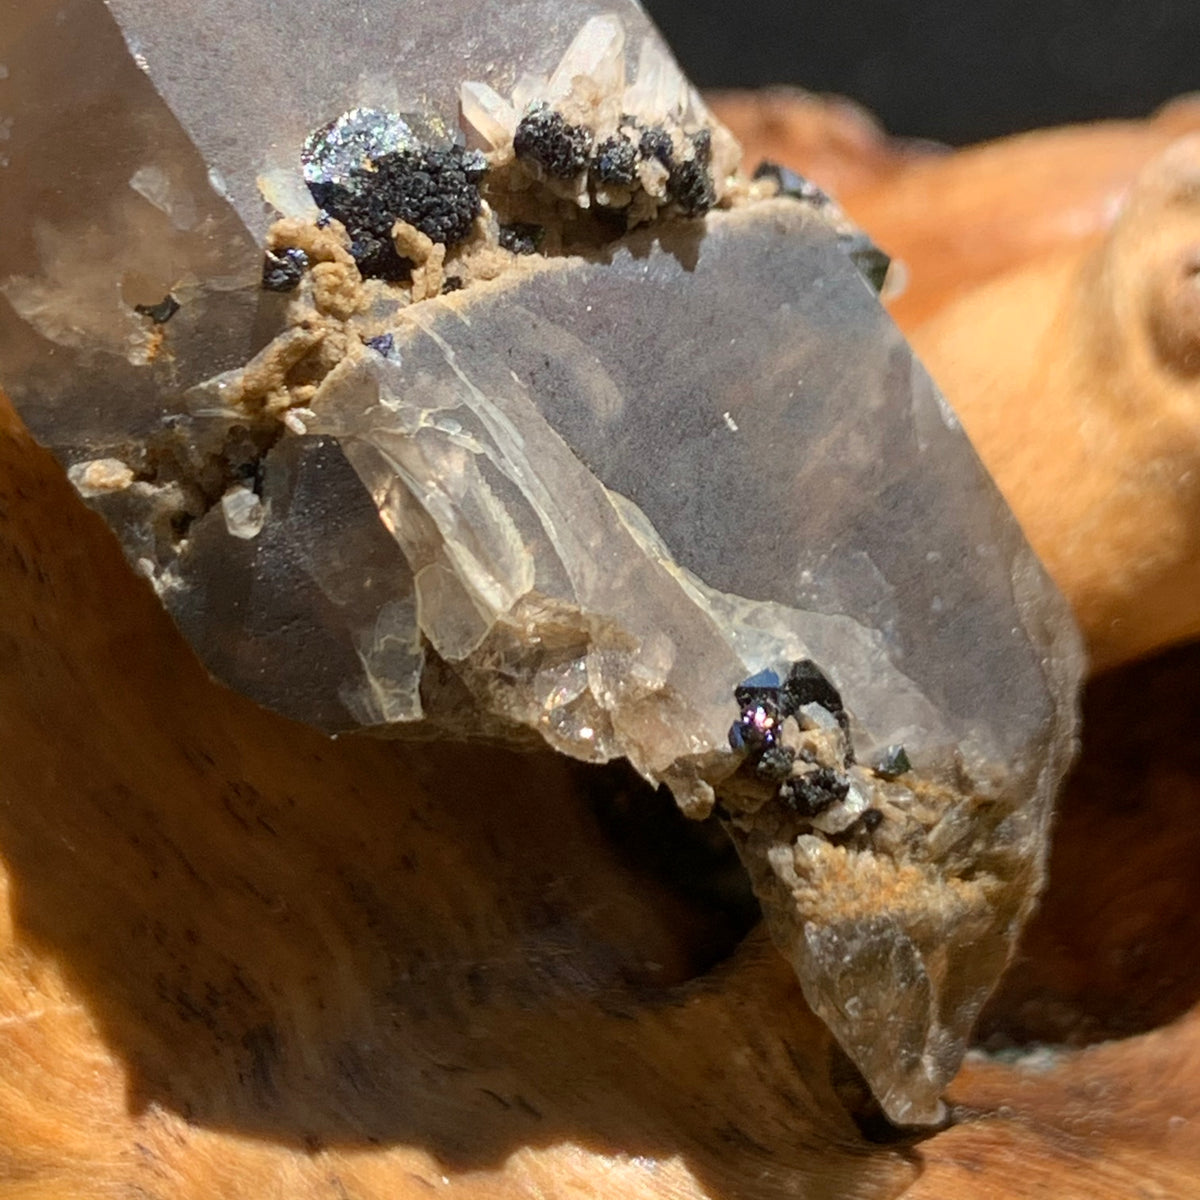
(616, 161)
(283, 270)
(546, 138)
(655, 143)
(562, 150)
(690, 182)
(765, 703)
(369, 169)
(433, 190)
(522, 237)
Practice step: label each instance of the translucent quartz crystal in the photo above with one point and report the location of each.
(492, 117)
(596, 56)
(580, 498)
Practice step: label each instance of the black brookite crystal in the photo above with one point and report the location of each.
(691, 183)
(766, 703)
(161, 312)
(616, 161)
(560, 149)
(283, 271)
(436, 191)
(655, 143)
(549, 482)
(809, 795)
(522, 237)
(760, 731)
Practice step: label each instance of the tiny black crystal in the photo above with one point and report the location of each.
(792, 184)
(615, 162)
(384, 344)
(544, 137)
(775, 763)
(808, 795)
(282, 270)
(161, 312)
(690, 183)
(872, 819)
(521, 237)
(655, 143)
(805, 684)
(763, 686)
(757, 728)
(893, 763)
(872, 262)
(377, 257)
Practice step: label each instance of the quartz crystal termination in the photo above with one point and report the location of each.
(540, 422)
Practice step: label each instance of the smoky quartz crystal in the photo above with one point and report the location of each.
(391, 465)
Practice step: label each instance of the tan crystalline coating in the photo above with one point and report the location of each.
(428, 258)
(322, 243)
(263, 382)
(335, 279)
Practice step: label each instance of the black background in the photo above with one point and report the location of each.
(954, 70)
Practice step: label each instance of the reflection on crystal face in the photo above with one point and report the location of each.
(352, 142)
(556, 423)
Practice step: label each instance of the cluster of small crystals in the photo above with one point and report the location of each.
(369, 169)
(469, 517)
(794, 735)
(593, 139)
(400, 199)
(400, 184)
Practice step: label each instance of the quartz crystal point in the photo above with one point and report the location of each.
(551, 427)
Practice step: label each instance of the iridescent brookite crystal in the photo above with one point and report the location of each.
(439, 370)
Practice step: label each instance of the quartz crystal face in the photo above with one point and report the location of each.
(452, 380)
